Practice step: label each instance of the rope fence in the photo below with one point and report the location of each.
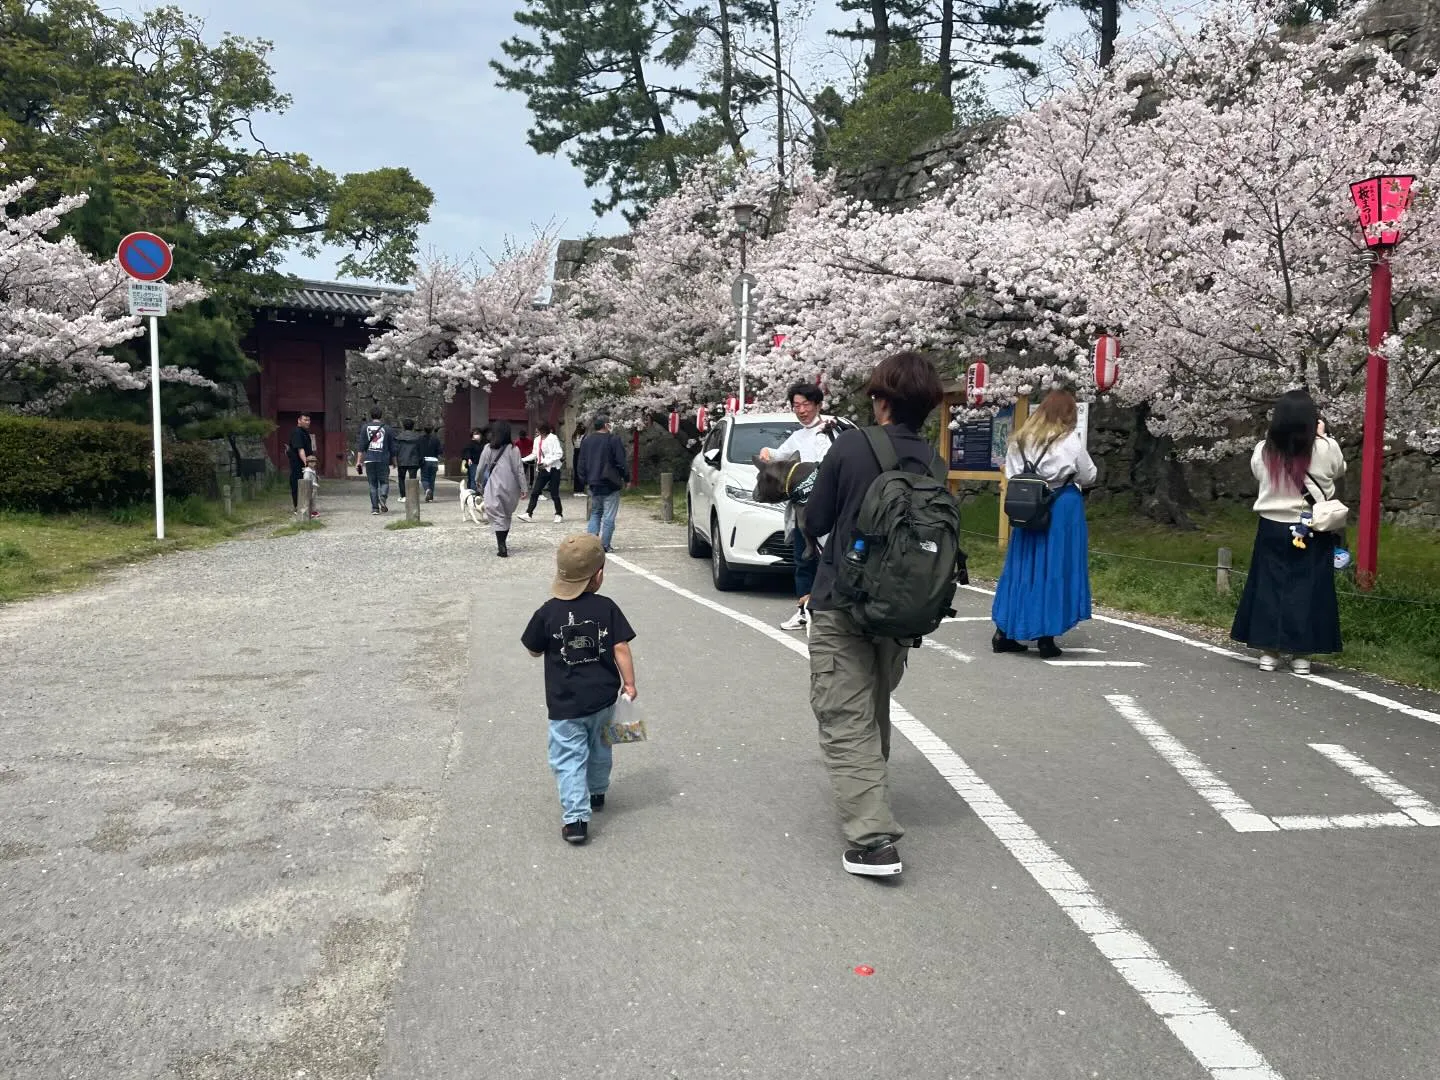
(1223, 570)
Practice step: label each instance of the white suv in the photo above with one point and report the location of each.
(724, 522)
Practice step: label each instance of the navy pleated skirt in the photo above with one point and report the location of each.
(1044, 589)
(1289, 604)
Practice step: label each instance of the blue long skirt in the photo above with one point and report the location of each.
(1044, 589)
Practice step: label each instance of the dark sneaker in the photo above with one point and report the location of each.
(597, 802)
(882, 861)
(1002, 644)
(1048, 649)
(575, 832)
(384, 509)
(375, 510)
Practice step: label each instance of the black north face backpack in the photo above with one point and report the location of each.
(900, 581)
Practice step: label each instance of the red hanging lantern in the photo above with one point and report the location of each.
(674, 423)
(1381, 200)
(702, 419)
(732, 404)
(1107, 361)
(635, 382)
(778, 340)
(977, 378)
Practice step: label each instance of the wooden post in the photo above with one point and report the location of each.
(412, 498)
(227, 500)
(1223, 565)
(667, 497)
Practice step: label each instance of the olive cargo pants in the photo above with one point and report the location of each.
(851, 679)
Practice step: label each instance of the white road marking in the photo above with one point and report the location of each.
(1240, 815)
(1095, 663)
(1207, 1035)
(1387, 787)
(1319, 680)
(1084, 652)
(954, 654)
(968, 618)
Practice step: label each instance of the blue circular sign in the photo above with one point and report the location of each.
(145, 257)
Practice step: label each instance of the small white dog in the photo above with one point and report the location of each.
(471, 508)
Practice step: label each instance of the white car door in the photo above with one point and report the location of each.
(707, 471)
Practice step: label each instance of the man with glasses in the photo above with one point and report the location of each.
(811, 441)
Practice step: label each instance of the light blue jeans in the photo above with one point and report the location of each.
(604, 509)
(580, 761)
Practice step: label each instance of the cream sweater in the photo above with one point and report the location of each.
(1284, 504)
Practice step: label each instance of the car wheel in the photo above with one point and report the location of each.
(697, 547)
(725, 579)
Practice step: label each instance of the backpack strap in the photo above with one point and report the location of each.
(883, 448)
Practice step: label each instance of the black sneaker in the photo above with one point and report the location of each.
(575, 832)
(375, 511)
(384, 509)
(882, 861)
(597, 802)
(1002, 644)
(1048, 649)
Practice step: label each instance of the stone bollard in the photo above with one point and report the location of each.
(412, 499)
(1223, 566)
(307, 492)
(227, 499)
(667, 497)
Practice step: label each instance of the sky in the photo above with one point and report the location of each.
(376, 83)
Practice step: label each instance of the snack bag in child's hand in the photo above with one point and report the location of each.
(626, 727)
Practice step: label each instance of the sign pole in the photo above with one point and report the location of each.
(744, 337)
(155, 422)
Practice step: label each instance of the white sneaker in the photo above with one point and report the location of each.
(558, 519)
(525, 517)
(1300, 665)
(799, 621)
(1268, 663)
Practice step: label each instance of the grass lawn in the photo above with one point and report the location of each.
(42, 553)
(1393, 631)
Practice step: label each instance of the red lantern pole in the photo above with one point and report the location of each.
(1372, 465)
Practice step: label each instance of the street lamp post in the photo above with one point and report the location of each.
(1381, 201)
(744, 218)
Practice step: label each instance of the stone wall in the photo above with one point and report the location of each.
(401, 393)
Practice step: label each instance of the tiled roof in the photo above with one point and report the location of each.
(333, 297)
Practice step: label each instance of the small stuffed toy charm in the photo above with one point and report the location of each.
(1299, 533)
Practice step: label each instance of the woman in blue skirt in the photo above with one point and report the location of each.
(1044, 590)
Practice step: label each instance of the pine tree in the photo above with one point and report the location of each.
(594, 75)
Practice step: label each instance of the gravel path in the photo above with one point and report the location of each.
(219, 771)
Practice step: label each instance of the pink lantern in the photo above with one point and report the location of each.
(977, 377)
(778, 340)
(1107, 361)
(732, 404)
(702, 419)
(674, 423)
(1381, 200)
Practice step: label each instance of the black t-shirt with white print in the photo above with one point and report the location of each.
(578, 638)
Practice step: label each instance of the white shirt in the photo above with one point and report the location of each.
(552, 455)
(1284, 503)
(808, 442)
(1066, 462)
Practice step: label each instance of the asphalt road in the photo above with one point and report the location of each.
(223, 859)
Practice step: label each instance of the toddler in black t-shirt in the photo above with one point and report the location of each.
(585, 640)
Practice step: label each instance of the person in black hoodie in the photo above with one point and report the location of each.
(407, 454)
(429, 462)
(853, 675)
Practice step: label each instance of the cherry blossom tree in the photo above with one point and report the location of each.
(60, 311)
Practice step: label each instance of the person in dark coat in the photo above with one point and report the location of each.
(300, 451)
(407, 454)
(605, 473)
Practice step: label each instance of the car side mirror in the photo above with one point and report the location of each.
(711, 458)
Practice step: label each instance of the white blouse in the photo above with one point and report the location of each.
(1285, 503)
(1066, 462)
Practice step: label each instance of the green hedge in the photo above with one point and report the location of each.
(58, 465)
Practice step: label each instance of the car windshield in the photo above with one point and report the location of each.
(747, 440)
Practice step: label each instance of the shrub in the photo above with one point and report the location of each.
(58, 465)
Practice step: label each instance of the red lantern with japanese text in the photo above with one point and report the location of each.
(732, 404)
(1107, 361)
(1381, 201)
(702, 419)
(977, 378)
(674, 424)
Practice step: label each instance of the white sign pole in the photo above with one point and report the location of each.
(155, 420)
(744, 338)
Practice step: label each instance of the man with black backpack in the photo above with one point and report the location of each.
(888, 574)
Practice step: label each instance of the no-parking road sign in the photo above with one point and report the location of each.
(145, 257)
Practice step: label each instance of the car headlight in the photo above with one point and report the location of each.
(744, 495)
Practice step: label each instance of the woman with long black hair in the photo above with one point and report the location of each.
(501, 481)
(1289, 606)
